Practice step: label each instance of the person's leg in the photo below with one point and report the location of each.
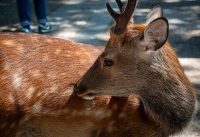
(24, 12)
(40, 10)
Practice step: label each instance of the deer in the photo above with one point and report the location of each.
(50, 87)
(138, 60)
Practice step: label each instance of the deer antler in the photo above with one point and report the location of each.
(121, 5)
(122, 19)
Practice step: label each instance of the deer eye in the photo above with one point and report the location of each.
(108, 63)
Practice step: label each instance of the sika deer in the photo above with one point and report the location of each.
(37, 74)
(139, 61)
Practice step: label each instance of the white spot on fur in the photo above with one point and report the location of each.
(30, 92)
(78, 53)
(7, 66)
(45, 58)
(68, 91)
(63, 74)
(57, 51)
(48, 91)
(36, 73)
(52, 75)
(11, 98)
(8, 43)
(43, 93)
(20, 48)
(37, 107)
(3, 77)
(53, 89)
(16, 80)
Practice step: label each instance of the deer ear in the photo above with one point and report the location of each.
(155, 13)
(156, 33)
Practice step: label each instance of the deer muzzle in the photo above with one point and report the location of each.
(84, 92)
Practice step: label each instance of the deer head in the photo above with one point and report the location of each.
(138, 60)
(126, 65)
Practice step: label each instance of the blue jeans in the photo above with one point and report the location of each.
(24, 11)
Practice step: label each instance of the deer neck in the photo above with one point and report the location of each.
(168, 95)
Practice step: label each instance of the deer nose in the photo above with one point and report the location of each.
(80, 90)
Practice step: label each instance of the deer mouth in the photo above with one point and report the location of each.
(89, 96)
(84, 93)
